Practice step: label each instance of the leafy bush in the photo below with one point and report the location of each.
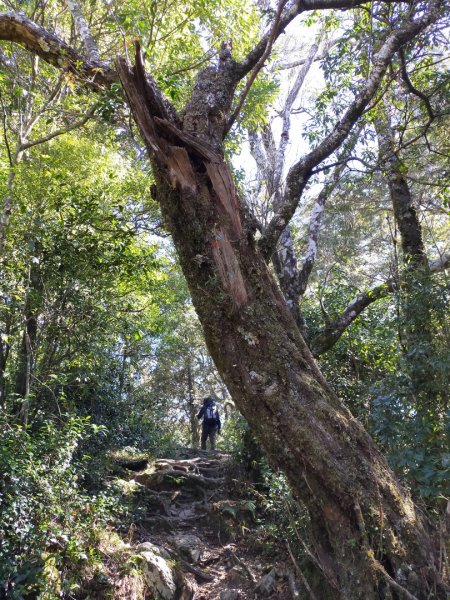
(48, 527)
(416, 444)
(392, 372)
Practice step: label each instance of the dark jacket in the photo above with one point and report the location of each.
(202, 413)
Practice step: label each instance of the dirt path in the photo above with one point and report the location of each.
(187, 512)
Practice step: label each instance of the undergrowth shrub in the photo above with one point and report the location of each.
(281, 517)
(48, 525)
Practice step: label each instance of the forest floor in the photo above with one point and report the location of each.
(192, 511)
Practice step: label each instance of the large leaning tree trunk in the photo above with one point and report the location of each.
(367, 528)
(368, 533)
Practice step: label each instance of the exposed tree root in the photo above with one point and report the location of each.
(375, 564)
(188, 567)
(300, 573)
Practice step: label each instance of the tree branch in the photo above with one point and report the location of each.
(59, 132)
(287, 110)
(317, 213)
(440, 264)
(300, 173)
(289, 15)
(269, 158)
(313, 233)
(412, 89)
(257, 151)
(5, 131)
(301, 61)
(257, 68)
(5, 61)
(19, 29)
(326, 339)
(83, 29)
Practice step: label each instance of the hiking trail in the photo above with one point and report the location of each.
(195, 530)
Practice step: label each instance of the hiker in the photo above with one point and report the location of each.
(211, 422)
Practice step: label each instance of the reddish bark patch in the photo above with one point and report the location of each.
(223, 186)
(180, 169)
(228, 268)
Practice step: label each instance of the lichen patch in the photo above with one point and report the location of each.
(43, 44)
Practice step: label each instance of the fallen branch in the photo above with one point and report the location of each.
(242, 564)
(196, 571)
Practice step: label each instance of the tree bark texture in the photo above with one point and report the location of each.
(367, 528)
(405, 211)
(192, 408)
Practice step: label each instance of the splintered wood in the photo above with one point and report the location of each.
(180, 169)
(223, 186)
(228, 268)
(179, 152)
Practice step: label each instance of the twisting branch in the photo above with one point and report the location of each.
(18, 28)
(413, 90)
(326, 339)
(58, 132)
(5, 129)
(257, 68)
(287, 17)
(300, 173)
